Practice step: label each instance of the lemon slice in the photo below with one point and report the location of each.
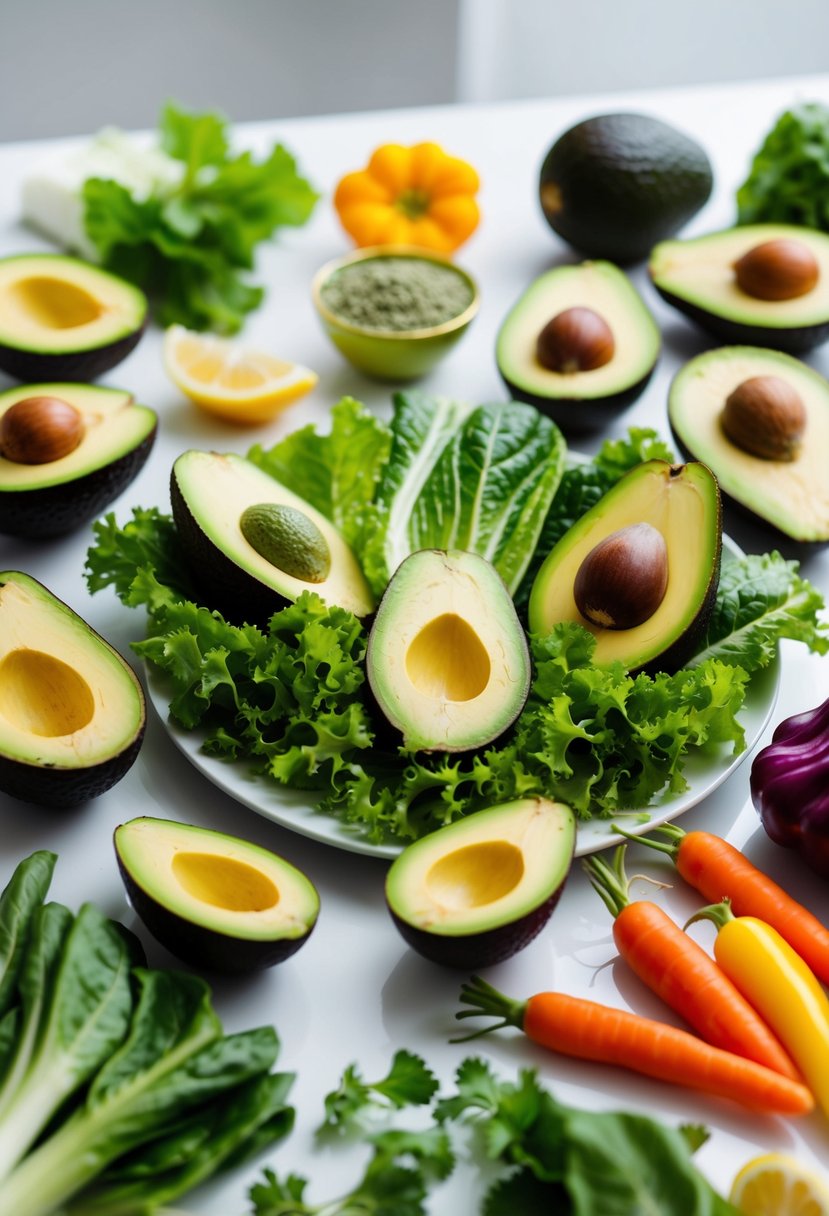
(777, 1185)
(231, 380)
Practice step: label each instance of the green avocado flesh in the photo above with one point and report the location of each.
(113, 425)
(211, 494)
(53, 305)
(682, 503)
(792, 495)
(697, 276)
(447, 659)
(212, 899)
(475, 892)
(71, 709)
(599, 286)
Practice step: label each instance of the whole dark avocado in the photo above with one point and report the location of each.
(614, 185)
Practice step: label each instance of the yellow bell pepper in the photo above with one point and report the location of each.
(410, 196)
(780, 986)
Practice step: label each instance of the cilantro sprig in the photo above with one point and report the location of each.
(407, 1083)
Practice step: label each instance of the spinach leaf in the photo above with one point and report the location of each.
(25, 893)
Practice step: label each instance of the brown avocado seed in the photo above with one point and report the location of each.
(622, 581)
(576, 340)
(766, 417)
(777, 270)
(38, 430)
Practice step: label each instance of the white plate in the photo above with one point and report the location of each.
(292, 808)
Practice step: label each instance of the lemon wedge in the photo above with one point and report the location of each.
(231, 380)
(777, 1185)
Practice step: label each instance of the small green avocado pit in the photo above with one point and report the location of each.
(579, 344)
(447, 659)
(71, 710)
(760, 420)
(215, 901)
(476, 892)
(757, 285)
(287, 539)
(639, 569)
(64, 319)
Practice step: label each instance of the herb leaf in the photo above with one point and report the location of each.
(789, 175)
(408, 1083)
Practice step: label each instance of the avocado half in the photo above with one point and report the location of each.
(447, 659)
(791, 495)
(476, 892)
(64, 319)
(697, 277)
(615, 184)
(579, 401)
(50, 499)
(210, 494)
(680, 502)
(214, 901)
(72, 712)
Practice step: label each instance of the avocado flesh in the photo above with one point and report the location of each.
(680, 501)
(214, 900)
(476, 892)
(210, 493)
(71, 709)
(792, 495)
(603, 288)
(447, 659)
(60, 316)
(697, 277)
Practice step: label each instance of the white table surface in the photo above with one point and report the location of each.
(355, 992)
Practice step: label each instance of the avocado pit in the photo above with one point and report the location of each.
(575, 340)
(765, 416)
(38, 430)
(622, 581)
(288, 539)
(782, 269)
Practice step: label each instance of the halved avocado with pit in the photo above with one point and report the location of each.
(51, 497)
(215, 901)
(64, 319)
(640, 569)
(580, 345)
(447, 659)
(253, 545)
(774, 463)
(476, 892)
(701, 277)
(71, 709)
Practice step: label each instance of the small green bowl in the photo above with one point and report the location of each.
(392, 354)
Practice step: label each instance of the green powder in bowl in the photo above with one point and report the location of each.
(396, 294)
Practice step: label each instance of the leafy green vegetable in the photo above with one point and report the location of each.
(20, 900)
(789, 177)
(189, 245)
(408, 1083)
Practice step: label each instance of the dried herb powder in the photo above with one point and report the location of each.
(396, 294)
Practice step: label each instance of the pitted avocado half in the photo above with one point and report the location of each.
(112, 437)
(758, 285)
(579, 344)
(64, 319)
(640, 569)
(760, 420)
(478, 891)
(253, 545)
(71, 710)
(447, 660)
(213, 900)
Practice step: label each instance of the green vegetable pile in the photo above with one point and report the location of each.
(189, 246)
(789, 177)
(118, 1090)
(291, 700)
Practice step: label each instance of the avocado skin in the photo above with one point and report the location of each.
(63, 788)
(56, 510)
(626, 181)
(580, 415)
(80, 365)
(477, 950)
(205, 949)
(792, 340)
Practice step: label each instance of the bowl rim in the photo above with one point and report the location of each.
(372, 252)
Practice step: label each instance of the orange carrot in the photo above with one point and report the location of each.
(681, 973)
(719, 871)
(590, 1031)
